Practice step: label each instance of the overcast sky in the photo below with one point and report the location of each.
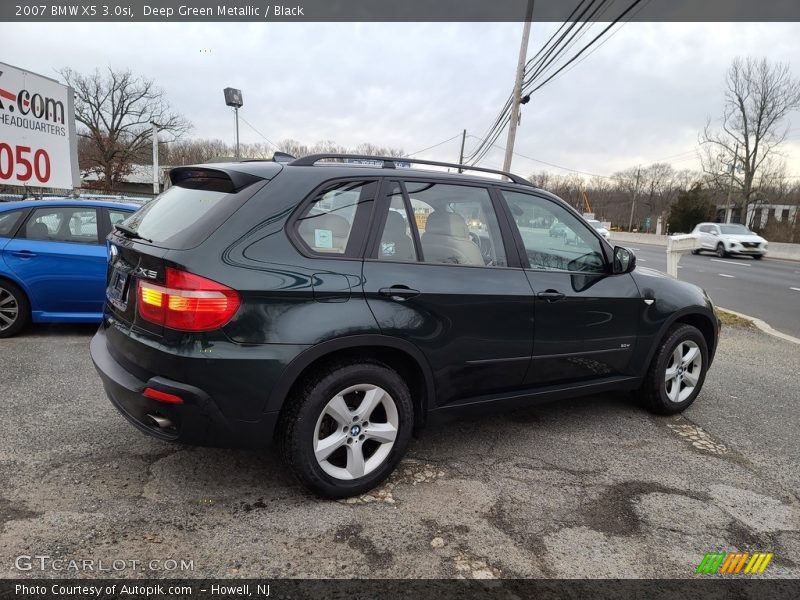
(642, 97)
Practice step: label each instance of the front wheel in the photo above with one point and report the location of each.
(677, 372)
(758, 256)
(346, 428)
(15, 310)
(721, 252)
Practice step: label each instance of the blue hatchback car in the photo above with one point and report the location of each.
(53, 260)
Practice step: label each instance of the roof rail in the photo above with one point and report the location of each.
(389, 163)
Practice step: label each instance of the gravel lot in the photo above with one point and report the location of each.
(587, 488)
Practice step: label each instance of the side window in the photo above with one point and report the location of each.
(62, 224)
(575, 249)
(326, 225)
(457, 224)
(8, 222)
(118, 216)
(397, 240)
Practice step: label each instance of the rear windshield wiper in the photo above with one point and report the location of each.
(130, 233)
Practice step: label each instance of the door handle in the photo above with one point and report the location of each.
(550, 295)
(399, 292)
(23, 253)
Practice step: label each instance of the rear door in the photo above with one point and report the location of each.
(438, 275)
(59, 256)
(586, 317)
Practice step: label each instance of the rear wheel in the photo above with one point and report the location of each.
(677, 372)
(721, 252)
(346, 428)
(695, 251)
(15, 310)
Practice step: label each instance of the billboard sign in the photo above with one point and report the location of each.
(38, 145)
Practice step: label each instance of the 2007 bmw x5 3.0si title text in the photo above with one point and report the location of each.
(337, 307)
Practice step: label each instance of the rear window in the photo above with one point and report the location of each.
(185, 215)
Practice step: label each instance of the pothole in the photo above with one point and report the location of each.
(699, 438)
(409, 472)
(468, 567)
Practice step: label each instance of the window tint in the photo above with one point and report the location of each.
(326, 225)
(575, 248)
(457, 224)
(63, 224)
(173, 212)
(397, 241)
(8, 222)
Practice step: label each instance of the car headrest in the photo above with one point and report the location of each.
(395, 225)
(447, 223)
(338, 226)
(37, 231)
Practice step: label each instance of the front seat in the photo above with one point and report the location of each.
(395, 243)
(446, 240)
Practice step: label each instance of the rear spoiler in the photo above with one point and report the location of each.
(217, 180)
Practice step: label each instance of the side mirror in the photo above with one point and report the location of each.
(624, 260)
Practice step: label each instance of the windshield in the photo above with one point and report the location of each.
(735, 230)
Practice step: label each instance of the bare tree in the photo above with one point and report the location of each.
(758, 98)
(116, 110)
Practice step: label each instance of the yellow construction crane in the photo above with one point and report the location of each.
(587, 207)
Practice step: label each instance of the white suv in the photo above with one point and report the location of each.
(729, 238)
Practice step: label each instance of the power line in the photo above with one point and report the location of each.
(435, 145)
(597, 37)
(544, 63)
(544, 162)
(507, 106)
(258, 132)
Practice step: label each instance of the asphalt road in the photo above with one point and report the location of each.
(767, 289)
(593, 487)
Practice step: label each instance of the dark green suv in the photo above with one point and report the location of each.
(337, 307)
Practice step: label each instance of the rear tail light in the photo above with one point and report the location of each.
(187, 302)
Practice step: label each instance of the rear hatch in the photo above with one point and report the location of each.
(140, 274)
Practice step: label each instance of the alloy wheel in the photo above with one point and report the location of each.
(9, 309)
(356, 431)
(683, 371)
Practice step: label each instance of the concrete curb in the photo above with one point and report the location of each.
(764, 326)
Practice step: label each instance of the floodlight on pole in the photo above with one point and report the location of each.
(233, 97)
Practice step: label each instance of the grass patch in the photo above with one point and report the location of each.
(731, 320)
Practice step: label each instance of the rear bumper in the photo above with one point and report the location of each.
(197, 421)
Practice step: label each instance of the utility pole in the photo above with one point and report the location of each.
(730, 185)
(517, 94)
(156, 187)
(461, 154)
(633, 202)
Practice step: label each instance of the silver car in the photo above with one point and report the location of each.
(729, 238)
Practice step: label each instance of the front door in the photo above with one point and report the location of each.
(438, 275)
(586, 317)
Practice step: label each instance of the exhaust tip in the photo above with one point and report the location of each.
(159, 422)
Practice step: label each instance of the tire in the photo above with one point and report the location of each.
(695, 251)
(658, 392)
(758, 256)
(15, 310)
(309, 419)
(721, 252)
